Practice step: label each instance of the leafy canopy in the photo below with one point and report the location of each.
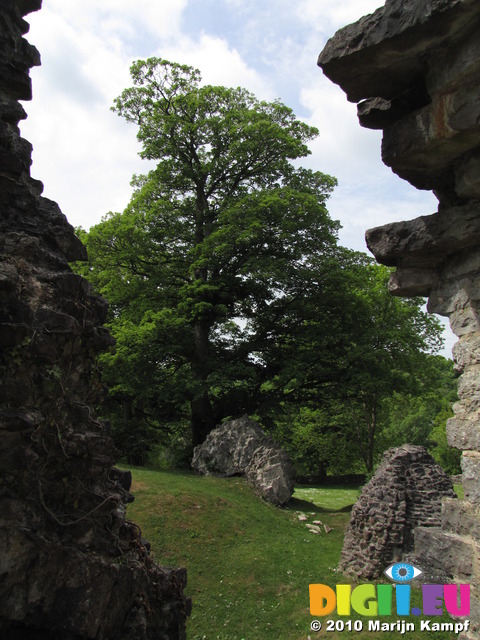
(228, 292)
(223, 232)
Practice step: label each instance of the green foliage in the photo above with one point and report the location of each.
(318, 441)
(357, 381)
(446, 456)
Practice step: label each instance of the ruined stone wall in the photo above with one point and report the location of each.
(405, 492)
(414, 68)
(71, 565)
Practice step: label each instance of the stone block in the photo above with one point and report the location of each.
(446, 552)
(466, 352)
(471, 477)
(463, 431)
(446, 72)
(467, 177)
(412, 281)
(461, 264)
(464, 308)
(419, 146)
(461, 518)
(437, 236)
(469, 382)
(384, 47)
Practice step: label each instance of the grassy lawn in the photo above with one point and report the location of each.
(249, 563)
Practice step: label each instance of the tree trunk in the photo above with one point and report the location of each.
(321, 472)
(202, 418)
(371, 418)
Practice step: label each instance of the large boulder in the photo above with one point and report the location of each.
(240, 447)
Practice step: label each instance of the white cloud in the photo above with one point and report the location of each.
(126, 18)
(82, 152)
(219, 64)
(343, 146)
(319, 13)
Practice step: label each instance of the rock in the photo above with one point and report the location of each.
(240, 447)
(387, 48)
(458, 554)
(302, 517)
(270, 472)
(405, 492)
(72, 566)
(313, 528)
(327, 528)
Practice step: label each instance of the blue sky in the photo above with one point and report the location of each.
(86, 155)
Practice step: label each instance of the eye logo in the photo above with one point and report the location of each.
(402, 572)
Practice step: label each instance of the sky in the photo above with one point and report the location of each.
(86, 155)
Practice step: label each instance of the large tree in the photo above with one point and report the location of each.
(223, 236)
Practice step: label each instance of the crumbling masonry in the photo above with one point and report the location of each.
(71, 566)
(405, 492)
(414, 68)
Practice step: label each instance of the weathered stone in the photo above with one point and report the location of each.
(461, 518)
(453, 554)
(466, 352)
(471, 475)
(271, 473)
(411, 281)
(313, 528)
(421, 145)
(404, 493)
(72, 567)
(467, 176)
(469, 384)
(463, 431)
(240, 447)
(387, 48)
(376, 113)
(431, 237)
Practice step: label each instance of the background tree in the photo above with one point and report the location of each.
(389, 357)
(365, 383)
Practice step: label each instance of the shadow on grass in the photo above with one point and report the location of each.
(295, 504)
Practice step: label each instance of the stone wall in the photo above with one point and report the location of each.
(414, 68)
(71, 565)
(405, 492)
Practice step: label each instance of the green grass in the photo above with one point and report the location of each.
(249, 564)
